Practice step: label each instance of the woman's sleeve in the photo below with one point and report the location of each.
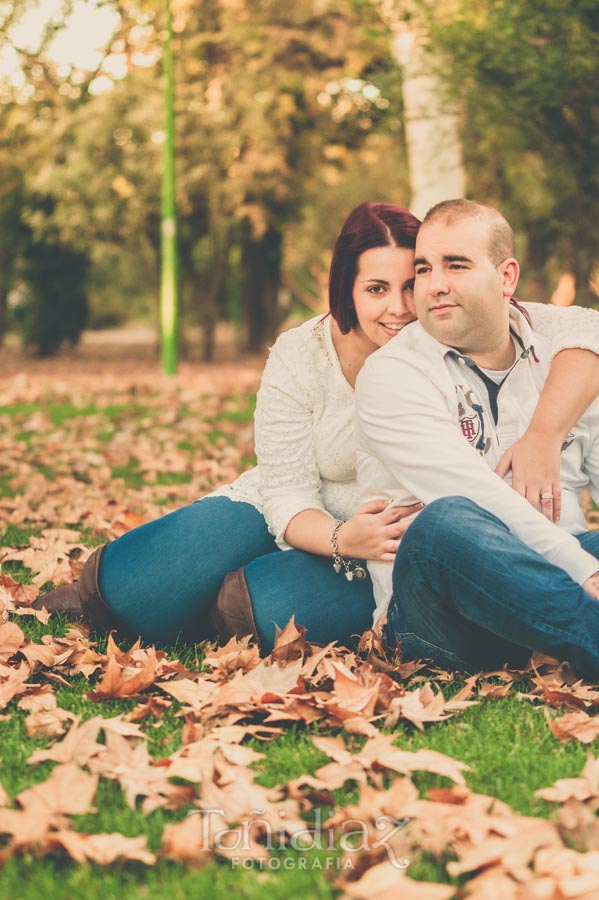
(289, 477)
(565, 327)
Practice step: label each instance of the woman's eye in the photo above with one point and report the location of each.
(409, 286)
(376, 289)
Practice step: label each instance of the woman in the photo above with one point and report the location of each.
(162, 579)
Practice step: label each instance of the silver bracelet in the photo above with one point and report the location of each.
(350, 566)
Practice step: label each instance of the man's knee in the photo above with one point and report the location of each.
(441, 517)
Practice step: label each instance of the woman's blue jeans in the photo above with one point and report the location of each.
(470, 595)
(162, 577)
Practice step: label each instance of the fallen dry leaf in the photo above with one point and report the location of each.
(102, 849)
(386, 882)
(68, 790)
(577, 726)
(114, 684)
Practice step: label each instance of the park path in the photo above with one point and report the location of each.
(131, 355)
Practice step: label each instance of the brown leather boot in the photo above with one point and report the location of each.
(83, 598)
(232, 614)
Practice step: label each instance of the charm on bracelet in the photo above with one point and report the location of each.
(351, 567)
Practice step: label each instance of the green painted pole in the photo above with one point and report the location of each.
(169, 289)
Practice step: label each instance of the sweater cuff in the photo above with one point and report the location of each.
(579, 564)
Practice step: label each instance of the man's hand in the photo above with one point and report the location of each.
(591, 586)
(535, 461)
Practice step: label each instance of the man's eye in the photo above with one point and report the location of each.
(409, 286)
(457, 266)
(421, 270)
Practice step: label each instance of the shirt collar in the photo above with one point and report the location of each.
(521, 331)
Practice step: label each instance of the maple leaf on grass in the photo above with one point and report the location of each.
(423, 705)
(127, 761)
(12, 639)
(238, 654)
(155, 707)
(186, 841)
(261, 685)
(79, 745)
(102, 849)
(13, 682)
(48, 722)
(42, 697)
(115, 685)
(513, 853)
(27, 828)
(584, 788)
(14, 594)
(577, 726)
(381, 752)
(289, 643)
(199, 837)
(387, 882)
(68, 790)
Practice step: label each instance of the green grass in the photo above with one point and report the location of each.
(507, 744)
(5, 487)
(61, 411)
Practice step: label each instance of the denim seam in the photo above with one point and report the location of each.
(556, 632)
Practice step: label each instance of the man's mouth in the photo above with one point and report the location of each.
(442, 307)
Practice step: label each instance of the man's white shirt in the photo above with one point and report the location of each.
(425, 429)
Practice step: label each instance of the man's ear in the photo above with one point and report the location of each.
(509, 271)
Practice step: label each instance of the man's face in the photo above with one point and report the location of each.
(461, 297)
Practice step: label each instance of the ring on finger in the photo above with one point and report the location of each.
(546, 495)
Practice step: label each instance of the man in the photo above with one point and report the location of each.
(481, 577)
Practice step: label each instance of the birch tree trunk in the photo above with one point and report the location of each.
(431, 125)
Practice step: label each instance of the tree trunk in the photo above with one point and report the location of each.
(433, 143)
(260, 281)
(535, 284)
(216, 300)
(580, 262)
(4, 282)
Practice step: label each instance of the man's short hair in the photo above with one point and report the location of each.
(502, 243)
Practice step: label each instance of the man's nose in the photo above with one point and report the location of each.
(437, 281)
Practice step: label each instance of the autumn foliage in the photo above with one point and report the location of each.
(229, 698)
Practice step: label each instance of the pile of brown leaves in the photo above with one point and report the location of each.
(237, 694)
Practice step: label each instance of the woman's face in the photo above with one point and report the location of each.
(384, 293)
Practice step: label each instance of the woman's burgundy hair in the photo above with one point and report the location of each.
(368, 225)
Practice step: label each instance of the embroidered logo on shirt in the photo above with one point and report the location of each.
(472, 421)
(470, 426)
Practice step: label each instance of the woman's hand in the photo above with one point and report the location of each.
(535, 464)
(373, 532)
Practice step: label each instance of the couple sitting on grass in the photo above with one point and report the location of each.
(428, 471)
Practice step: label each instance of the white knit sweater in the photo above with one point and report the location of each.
(304, 419)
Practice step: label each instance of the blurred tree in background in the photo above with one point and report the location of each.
(527, 74)
(287, 116)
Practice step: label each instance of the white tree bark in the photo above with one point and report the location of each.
(432, 137)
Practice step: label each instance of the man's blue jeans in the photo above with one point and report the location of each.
(470, 595)
(162, 577)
